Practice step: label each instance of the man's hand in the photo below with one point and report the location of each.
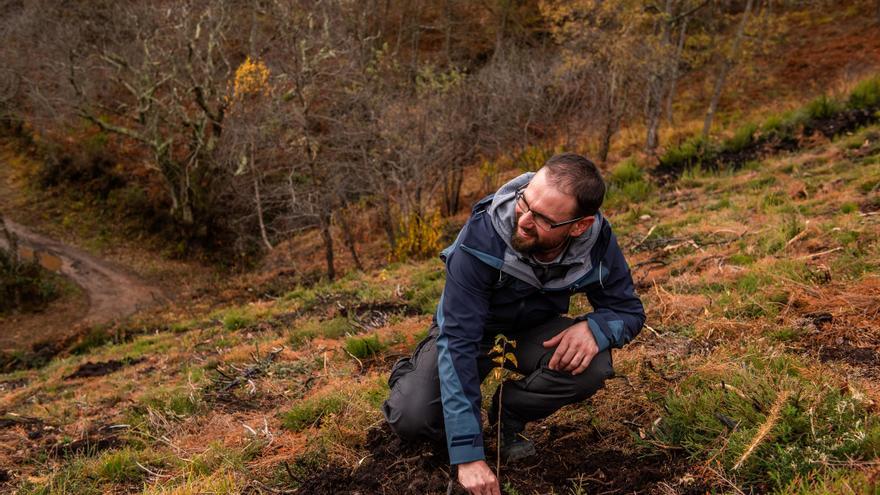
(478, 479)
(577, 347)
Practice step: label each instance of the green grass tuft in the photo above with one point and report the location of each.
(866, 95)
(718, 413)
(310, 411)
(823, 108)
(364, 347)
(742, 139)
(236, 319)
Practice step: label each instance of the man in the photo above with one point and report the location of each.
(512, 269)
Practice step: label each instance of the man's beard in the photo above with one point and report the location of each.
(532, 244)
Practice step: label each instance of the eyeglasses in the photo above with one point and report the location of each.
(540, 220)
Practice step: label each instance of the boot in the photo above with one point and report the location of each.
(514, 446)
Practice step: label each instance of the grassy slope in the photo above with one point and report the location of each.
(759, 370)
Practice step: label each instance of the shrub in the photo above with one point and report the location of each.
(24, 285)
(532, 158)
(866, 95)
(420, 237)
(364, 347)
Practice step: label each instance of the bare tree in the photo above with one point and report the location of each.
(729, 60)
(167, 72)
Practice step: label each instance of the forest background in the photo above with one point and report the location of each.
(277, 177)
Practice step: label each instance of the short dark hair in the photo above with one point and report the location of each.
(578, 176)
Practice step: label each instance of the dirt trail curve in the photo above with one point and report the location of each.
(112, 291)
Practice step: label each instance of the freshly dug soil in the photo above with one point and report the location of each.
(566, 458)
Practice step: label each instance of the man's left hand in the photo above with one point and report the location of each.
(576, 348)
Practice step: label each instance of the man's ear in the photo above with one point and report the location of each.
(582, 225)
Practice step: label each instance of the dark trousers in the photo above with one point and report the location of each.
(414, 409)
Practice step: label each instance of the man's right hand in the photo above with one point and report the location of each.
(478, 479)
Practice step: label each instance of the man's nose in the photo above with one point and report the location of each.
(527, 220)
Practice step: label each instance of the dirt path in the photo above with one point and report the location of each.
(112, 291)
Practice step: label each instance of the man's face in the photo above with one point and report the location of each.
(557, 206)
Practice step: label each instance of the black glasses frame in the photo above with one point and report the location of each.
(520, 196)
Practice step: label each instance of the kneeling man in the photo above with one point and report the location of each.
(512, 270)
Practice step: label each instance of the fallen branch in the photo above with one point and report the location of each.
(650, 231)
(798, 236)
(816, 255)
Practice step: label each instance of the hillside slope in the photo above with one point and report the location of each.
(758, 371)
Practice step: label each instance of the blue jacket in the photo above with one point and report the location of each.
(491, 288)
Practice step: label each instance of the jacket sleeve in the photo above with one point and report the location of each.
(618, 314)
(461, 314)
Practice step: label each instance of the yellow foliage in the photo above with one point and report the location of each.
(251, 78)
(420, 237)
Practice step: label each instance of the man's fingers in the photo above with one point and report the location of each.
(585, 363)
(553, 342)
(557, 355)
(567, 358)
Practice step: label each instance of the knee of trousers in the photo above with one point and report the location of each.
(412, 413)
(593, 378)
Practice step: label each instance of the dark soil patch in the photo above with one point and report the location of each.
(577, 458)
(839, 123)
(9, 420)
(90, 369)
(94, 441)
(568, 457)
(393, 466)
(857, 356)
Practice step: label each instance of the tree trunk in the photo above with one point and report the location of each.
(653, 111)
(260, 220)
(452, 190)
(725, 69)
(447, 40)
(350, 242)
(611, 119)
(502, 28)
(328, 244)
(388, 221)
(11, 241)
(607, 136)
(673, 77)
